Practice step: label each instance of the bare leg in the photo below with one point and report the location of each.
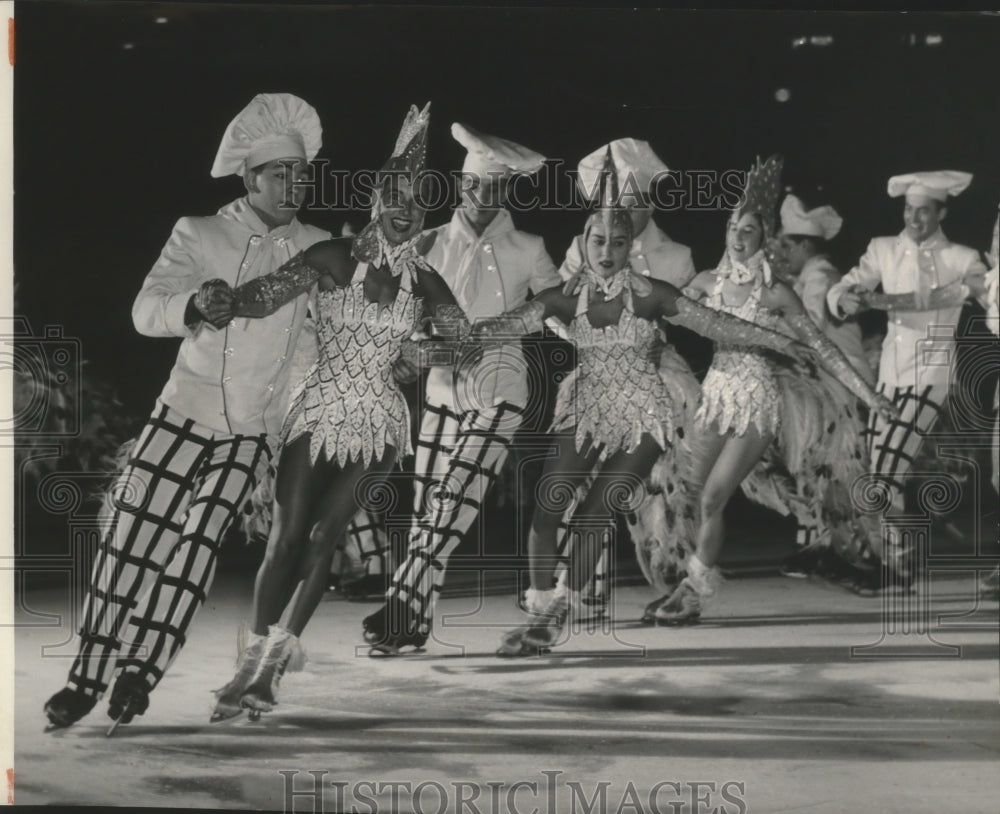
(296, 490)
(736, 458)
(557, 485)
(331, 514)
(620, 479)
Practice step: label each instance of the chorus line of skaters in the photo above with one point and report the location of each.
(780, 414)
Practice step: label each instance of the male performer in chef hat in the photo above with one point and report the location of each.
(196, 461)
(925, 278)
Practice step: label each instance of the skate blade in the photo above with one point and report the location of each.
(382, 650)
(253, 715)
(526, 651)
(220, 717)
(114, 726)
(687, 621)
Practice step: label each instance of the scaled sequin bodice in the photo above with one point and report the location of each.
(349, 401)
(617, 394)
(740, 388)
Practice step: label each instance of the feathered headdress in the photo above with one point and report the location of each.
(410, 153)
(761, 192)
(408, 159)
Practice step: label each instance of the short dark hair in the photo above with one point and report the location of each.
(816, 244)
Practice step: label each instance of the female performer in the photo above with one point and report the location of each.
(617, 415)
(348, 421)
(792, 438)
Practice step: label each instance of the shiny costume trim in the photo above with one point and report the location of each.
(264, 295)
(740, 389)
(349, 401)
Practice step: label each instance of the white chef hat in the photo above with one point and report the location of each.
(636, 164)
(272, 126)
(937, 185)
(490, 154)
(823, 221)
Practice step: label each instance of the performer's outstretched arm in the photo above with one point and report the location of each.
(950, 295)
(681, 310)
(527, 318)
(264, 295)
(830, 356)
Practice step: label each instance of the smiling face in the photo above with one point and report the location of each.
(922, 216)
(744, 237)
(276, 188)
(607, 256)
(401, 216)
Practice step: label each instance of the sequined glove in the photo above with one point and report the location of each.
(264, 295)
(951, 295)
(423, 352)
(213, 303)
(525, 319)
(834, 361)
(450, 323)
(726, 328)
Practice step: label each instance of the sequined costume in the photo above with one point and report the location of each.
(740, 388)
(617, 394)
(818, 450)
(349, 402)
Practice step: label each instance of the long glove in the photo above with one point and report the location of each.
(834, 361)
(726, 328)
(950, 295)
(264, 295)
(525, 319)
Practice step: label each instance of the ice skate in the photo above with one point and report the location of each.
(549, 612)
(282, 651)
(67, 707)
(227, 699)
(391, 628)
(649, 613)
(129, 698)
(685, 605)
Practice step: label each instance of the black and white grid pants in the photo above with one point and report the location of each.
(893, 444)
(180, 490)
(458, 459)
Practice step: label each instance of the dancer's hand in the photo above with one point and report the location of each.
(801, 353)
(404, 371)
(214, 301)
(853, 300)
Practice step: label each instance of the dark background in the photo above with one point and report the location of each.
(113, 144)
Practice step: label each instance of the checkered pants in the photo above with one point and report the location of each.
(170, 507)
(458, 458)
(892, 445)
(366, 546)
